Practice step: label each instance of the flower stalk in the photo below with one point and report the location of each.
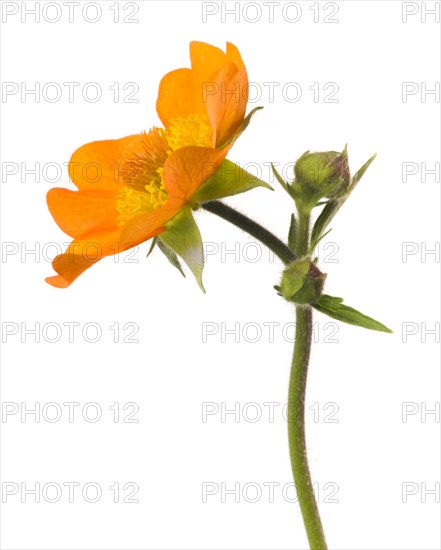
(280, 249)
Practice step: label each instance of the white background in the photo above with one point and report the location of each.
(380, 464)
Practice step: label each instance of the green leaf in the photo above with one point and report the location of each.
(292, 234)
(184, 238)
(230, 179)
(170, 255)
(334, 307)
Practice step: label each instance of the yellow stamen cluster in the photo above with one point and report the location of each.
(141, 168)
(131, 202)
(192, 130)
(144, 159)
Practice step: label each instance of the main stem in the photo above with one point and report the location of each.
(299, 368)
(296, 407)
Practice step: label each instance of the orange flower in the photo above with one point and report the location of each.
(208, 100)
(129, 189)
(140, 186)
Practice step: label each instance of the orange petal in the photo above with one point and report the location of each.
(144, 226)
(234, 56)
(97, 165)
(188, 168)
(175, 96)
(83, 254)
(227, 105)
(206, 60)
(78, 213)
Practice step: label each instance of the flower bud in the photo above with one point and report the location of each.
(302, 282)
(319, 175)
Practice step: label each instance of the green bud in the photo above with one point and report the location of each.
(319, 175)
(302, 282)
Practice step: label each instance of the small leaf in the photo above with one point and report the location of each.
(334, 307)
(170, 255)
(292, 234)
(230, 179)
(184, 238)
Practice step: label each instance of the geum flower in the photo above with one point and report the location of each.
(146, 185)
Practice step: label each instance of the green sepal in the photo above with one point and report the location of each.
(332, 206)
(358, 175)
(286, 186)
(152, 246)
(316, 242)
(292, 234)
(241, 128)
(278, 289)
(322, 221)
(246, 121)
(184, 238)
(334, 307)
(229, 179)
(302, 282)
(170, 255)
(293, 278)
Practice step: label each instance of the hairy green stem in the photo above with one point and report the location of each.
(279, 248)
(299, 368)
(296, 407)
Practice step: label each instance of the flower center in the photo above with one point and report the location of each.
(192, 130)
(143, 161)
(141, 170)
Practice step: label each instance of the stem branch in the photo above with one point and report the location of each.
(279, 248)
